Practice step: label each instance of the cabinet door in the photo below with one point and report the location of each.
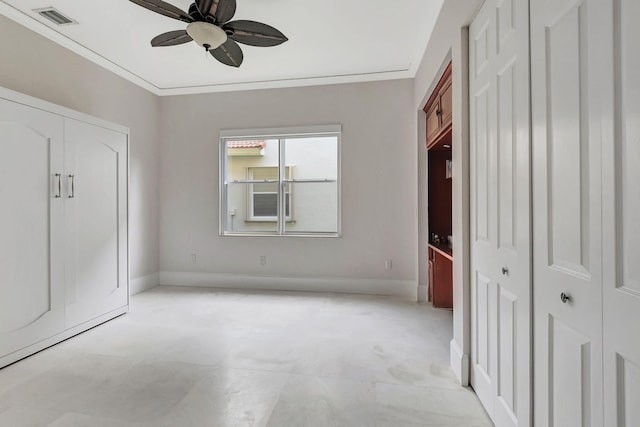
(446, 102)
(431, 279)
(443, 282)
(433, 123)
(96, 221)
(31, 228)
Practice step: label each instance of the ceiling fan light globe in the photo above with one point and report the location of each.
(207, 35)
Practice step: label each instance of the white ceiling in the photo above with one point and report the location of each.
(330, 41)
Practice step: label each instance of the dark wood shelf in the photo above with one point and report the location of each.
(445, 250)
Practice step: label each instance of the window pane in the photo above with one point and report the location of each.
(311, 201)
(261, 173)
(271, 187)
(244, 155)
(315, 208)
(238, 216)
(265, 204)
(313, 158)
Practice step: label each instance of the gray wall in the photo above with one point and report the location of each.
(35, 66)
(379, 211)
(174, 165)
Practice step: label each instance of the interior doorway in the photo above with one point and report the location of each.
(439, 131)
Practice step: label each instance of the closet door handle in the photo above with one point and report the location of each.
(59, 176)
(73, 186)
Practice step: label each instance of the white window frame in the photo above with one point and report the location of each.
(280, 134)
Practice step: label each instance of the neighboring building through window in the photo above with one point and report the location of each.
(280, 182)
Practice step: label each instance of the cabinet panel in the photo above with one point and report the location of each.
(442, 282)
(446, 104)
(96, 165)
(433, 123)
(431, 276)
(31, 274)
(439, 110)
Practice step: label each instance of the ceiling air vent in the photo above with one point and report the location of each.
(54, 16)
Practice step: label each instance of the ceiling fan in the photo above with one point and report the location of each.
(209, 26)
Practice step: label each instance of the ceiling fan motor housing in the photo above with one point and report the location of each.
(207, 35)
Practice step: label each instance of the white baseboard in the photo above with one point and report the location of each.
(140, 284)
(459, 363)
(403, 288)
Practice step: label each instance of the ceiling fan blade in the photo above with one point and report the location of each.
(229, 53)
(204, 6)
(221, 10)
(194, 12)
(164, 8)
(254, 33)
(171, 38)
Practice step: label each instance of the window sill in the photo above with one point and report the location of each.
(267, 234)
(289, 221)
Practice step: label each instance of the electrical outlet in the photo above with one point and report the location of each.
(194, 258)
(388, 264)
(263, 260)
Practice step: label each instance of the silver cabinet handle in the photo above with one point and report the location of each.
(565, 298)
(505, 271)
(59, 176)
(73, 186)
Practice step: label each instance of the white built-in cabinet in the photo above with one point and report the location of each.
(555, 212)
(63, 224)
(586, 152)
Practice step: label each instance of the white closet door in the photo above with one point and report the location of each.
(31, 227)
(500, 211)
(569, 53)
(96, 217)
(621, 214)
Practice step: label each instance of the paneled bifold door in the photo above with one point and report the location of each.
(63, 225)
(96, 221)
(586, 147)
(501, 211)
(621, 215)
(31, 226)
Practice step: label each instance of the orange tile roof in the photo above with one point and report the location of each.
(246, 144)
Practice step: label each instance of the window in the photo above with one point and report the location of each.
(280, 182)
(263, 196)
